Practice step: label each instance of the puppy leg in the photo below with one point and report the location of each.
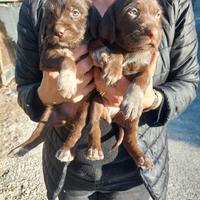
(96, 49)
(130, 140)
(62, 61)
(131, 105)
(37, 137)
(66, 82)
(66, 152)
(111, 64)
(94, 151)
(112, 70)
(131, 145)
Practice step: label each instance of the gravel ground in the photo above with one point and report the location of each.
(21, 179)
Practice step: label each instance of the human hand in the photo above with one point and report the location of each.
(48, 92)
(149, 96)
(113, 95)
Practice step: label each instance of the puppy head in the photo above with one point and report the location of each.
(65, 22)
(133, 24)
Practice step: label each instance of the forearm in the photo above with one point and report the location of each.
(30, 102)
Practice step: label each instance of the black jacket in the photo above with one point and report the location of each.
(176, 76)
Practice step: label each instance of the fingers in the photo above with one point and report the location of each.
(85, 79)
(154, 57)
(98, 77)
(84, 66)
(153, 62)
(78, 52)
(82, 93)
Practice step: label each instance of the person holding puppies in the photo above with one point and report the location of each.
(173, 87)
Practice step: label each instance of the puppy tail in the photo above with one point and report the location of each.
(119, 139)
(37, 137)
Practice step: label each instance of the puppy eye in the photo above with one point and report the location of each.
(133, 12)
(75, 13)
(158, 15)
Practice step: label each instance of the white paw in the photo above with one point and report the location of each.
(64, 155)
(94, 154)
(131, 105)
(66, 83)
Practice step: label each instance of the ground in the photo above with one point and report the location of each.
(21, 179)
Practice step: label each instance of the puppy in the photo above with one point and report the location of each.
(130, 33)
(64, 27)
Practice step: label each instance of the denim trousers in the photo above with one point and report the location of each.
(115, 177)
(112, 187)
(135, 193)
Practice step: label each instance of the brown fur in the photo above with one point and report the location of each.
(62, 31)
(127, 54)
(131, 30)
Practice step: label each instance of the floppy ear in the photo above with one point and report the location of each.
(107, 26)
(42, 30)
(94, 20)
(89, 3)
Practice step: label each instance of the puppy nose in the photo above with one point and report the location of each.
(152, 33)
(59, 34)
(59, 31)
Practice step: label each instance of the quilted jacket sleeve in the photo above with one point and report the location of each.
(180, 88)
(27, 73)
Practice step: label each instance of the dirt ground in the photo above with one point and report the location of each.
(20, 179)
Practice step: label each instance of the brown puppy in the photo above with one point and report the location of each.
(131, 30)
(64, 27)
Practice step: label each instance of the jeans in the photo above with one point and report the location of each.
(135, 193)
(115, 177)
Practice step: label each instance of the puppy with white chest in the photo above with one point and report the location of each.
(130, 33)
(66, 25)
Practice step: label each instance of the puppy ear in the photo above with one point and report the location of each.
(42, 31)
(107, 26)
(94, 21)
(89, 2)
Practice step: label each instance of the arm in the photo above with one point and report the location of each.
(180, 88)
(27, 73)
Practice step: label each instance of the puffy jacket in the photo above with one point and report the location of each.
(176, 76)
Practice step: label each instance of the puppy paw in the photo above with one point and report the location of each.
(131, 105)
(18, 152)
(131, 109)
(64, 155)
(111, 74)
(148, 163)
(66, 83)
(144, 161)
(94, 154)
(101, 56)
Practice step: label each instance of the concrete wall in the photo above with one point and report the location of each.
(8, 38)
